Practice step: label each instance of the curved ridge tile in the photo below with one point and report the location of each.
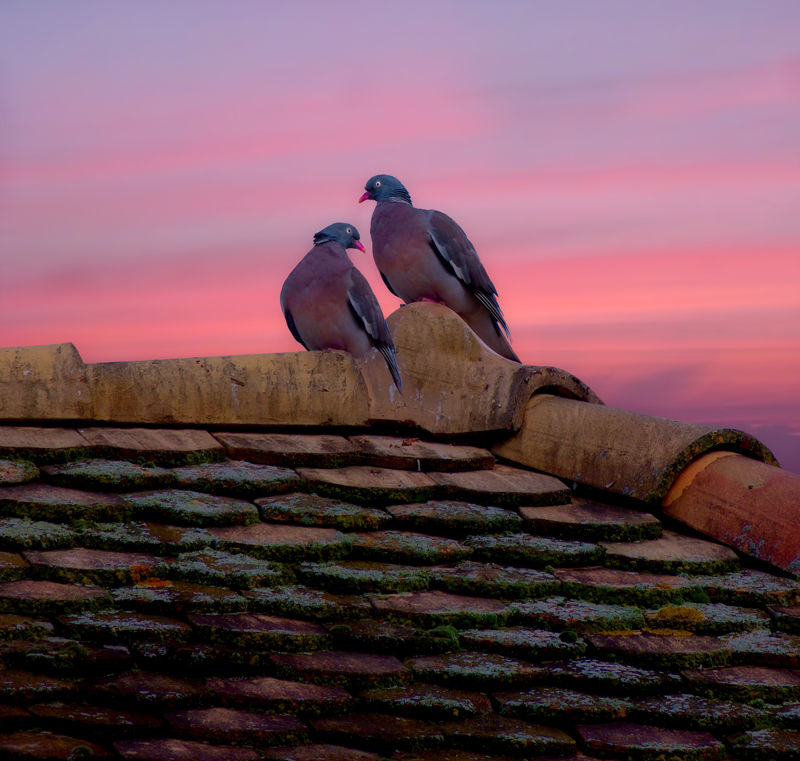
(452, 382)
(627, 453)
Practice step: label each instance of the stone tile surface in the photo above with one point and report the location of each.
(148, 691)
(684, 711)
(143, 536)
(534, 551)
(608, 585)
(38, 501)
(504, 486)
(24, 745)
(219, 568)
(531, 644)
(612, 678)
(362, 576)
(475, 671)
(163, 597)
(284, 543)
(237, 479)
(451, 518)
(427, 701)
(745, 683)
(342, 669)
(407, 547)
(79, 565)
(30, 597)
(435, 607)
(636, 741)
(493, 580)
(661, 651)
(371, 486)
(124, 627)
(191, 508)
(556, 705)
(588, 521)
(17, 472)
(109, 475)
(560, 613)
(23, 534)
(379, 732)
(497, 734)
(227, 725)
(172, 749)
(42, 445)
(313, 510)
(166, 447)
(98, 721)
(260, 632)
(302, 602)
(291, 450)
(415, 454)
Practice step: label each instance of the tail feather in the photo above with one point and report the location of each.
(391, 361)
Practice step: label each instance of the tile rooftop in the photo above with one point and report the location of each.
(325, 575)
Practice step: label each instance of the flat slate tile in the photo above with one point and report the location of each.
(414, 454)
(42, 502)
(147, 691)
(124, 627)
(191, 508)
(607, 585)
(279, 696)
(786, 617)
(492, 580)
(319, 752)
(225, 569)
(407, 547)
(65, 657)
(379, 732)
(451, 518)
(302, 602)
(759, 744)
(371, 486)
(553, 705)
(750, 587)
(498, 734)
(235, 478)
(587, 521)
(643, 743)
(23, 534)
(343, 669)
(764, 648)
(559, 613)
(475, 671)
(17, 627)
(44, 745)
(428, 701)
(95, 721)
(18, 686)
(260, 632)
(291, 450)
(168, 448)
(434, 608)
(227, 725)
(664, 652)
(672, 553)
(361, 576)
(12, 566)
(707, 618)
(453, 754)
(612, 678)
(313, 510)
(17, 472)
(745, 683)
(79, 565)
(163, 597)
(693, 712)
(46, 598)
(530, 644)
(370, 636)
(108, 475)
(141, 536)
(534, 551)
(272, 541)
(172, 749)
(42, 445)
(192, 658)
(504, 486)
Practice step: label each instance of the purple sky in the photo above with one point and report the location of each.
(629, 172)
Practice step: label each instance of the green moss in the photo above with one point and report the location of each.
(530, 644)
(124, 627)
(558, 613)
(302, 602)
(189, 508)
(152, 538)
(534, 551)
(692, 712)
(359, 577)
(558, 706)
(108, 475)
(224, 569)
(407, 548)
(490, 580)
(23, 534)
(17, 472)
(240, 479)
(312, 510)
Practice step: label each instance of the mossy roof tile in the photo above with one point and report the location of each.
(707, 618)
(362, 576)
(343, 669)
(531, 644)
(407, 547)
(143, 536)
(379, 732)
(45, 745)
(124, 627)
(313, 510)
(434, 608)
(414, 454)
(237, 479)
(371, 636)
(589, 521)
(172, 749)
(557, 705)
(98, 721)
(291, 450)
(504, 486)
(302, 602)
(498, 734)
(260, 632)
(108, 475)
(452, 518)
(163, 597)
(427, 701)
(684, 711)
(79, 565)
(673, 650)
(43, 445)
(17, 472)
(644, 743)
(191, 508)
(534, 551)
(30, 597)
(475, 671)
(24, 534)
(17, 686)
(38, 501)
(758, 744)
(319, 752)
(745, 683)
(764, 648)
(560, 613)
(14, 627)
(371, 486)
(271, 541)
(493, 580)
(166, 447)
(148, 690)
(215, 567)
(612, 678)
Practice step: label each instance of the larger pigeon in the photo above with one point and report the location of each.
(328, 303)
(422, 254)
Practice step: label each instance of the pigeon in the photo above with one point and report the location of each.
(328, 303)
(423, 255)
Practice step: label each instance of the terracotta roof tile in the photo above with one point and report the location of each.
(372, 486)
(312, 510)
(451, 518)
(414, 454)
(165, 447)
(61, 505)
(291, 450)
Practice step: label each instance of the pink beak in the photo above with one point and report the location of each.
(363, 198)
(358, 245)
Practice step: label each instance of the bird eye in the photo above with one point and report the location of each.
(349, 231)
(377, 183)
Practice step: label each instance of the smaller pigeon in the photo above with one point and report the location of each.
(328, 303)
(423, 255)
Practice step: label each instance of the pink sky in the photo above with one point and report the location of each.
(630, 175)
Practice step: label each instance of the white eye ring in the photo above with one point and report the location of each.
(349, 231)
(378, 184)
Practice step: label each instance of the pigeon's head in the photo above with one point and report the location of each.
(384, 187)
(342, 233)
